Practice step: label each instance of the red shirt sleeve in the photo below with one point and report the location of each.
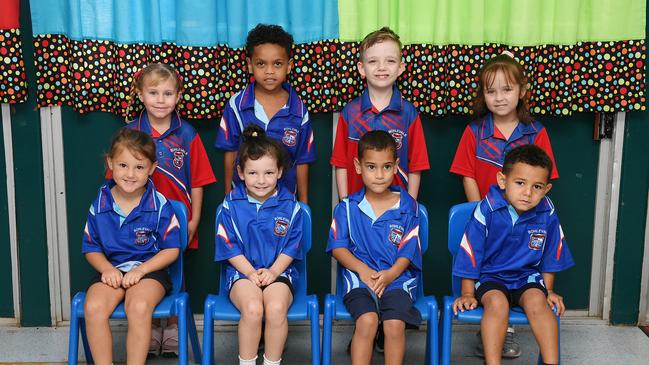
(543, 140)
(339, 155)
(417, 152)
(464, 160)
(200, 167)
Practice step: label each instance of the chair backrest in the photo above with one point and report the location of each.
(176, 269)
(458, 217)
(300, 265)
(423, 241)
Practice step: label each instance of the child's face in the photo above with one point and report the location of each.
(381, 65)
(130, 172)
(270, 66)
(159, 99)
(260, 177)
(525, 185)
(377, 169)
(502, 95)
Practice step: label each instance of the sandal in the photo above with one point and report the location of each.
(170, 341)
(156, 340)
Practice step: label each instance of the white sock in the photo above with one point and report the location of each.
(270, 362)
(252, 361)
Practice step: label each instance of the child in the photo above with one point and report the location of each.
(270, 103)
(258, 236)
(513, 246)
(380, 107)
(183, 167)
(375, 237)
(131, 236)
(502, 122)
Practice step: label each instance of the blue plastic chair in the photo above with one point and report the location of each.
(174, 304)
(304, 307)
(458, 218)
(427, 306)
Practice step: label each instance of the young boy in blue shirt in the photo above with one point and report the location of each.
(374, 235)
(511, 249)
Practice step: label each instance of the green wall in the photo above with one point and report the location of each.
(6, 299)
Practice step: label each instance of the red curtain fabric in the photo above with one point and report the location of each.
(13, 81)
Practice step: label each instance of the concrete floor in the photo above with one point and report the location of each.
(583, 341)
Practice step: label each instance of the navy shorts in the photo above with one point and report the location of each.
(161, 276)
(280, 279)
(394, 304)
(513, 296)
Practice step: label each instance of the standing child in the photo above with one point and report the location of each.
(131, 236)
(259, 233)
(183, 167)
(380, 107)
(502, 122)
(511, 249)
(375, 237)
(270, 103)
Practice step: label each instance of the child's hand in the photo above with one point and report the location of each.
(382, 279)
(556, 301)
(192, 226)
(254, 277)
(366, 277)
(112, 277)
(465, 302)
(266, 276)
(132, 277)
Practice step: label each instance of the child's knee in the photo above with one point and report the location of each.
(495, 303)
(394, 328)
(253, 310)
(275, 311)
(97, 309)
(138, 308)
(367, 324)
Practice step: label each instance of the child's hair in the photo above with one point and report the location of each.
(153, 74)
(529, 154)
(140, 144)
(514, 73)
(269, 33)
(379, 36)
(257, 144)
(377, 141)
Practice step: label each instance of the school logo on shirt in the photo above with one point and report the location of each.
(537, 239)
(398, 136)
(396, 233)
(290, 137)
(179, 157)
(142, 235)
(281, 226)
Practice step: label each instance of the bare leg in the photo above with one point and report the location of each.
(395, 341)
(101, 300)
(248, 299)
(494, 325)
(277, 299)
(139, 303)
(363, 339)
(543, 324)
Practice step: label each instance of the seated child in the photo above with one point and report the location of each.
(375, 237)
(511, 249)
(259, 233)
(131, 236)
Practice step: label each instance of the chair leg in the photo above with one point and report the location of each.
(73, 340)
(208, 333)
(447, 327)
(193, 336)
(181, 311)
(315, 331)
(327, 329)
(432, 342)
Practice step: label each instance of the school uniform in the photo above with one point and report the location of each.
(379, 242)
(130, 240)
(259, 231)
(481, 152)
(499, 246)
(399, 118)
(290, 125)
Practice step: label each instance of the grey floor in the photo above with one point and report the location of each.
(583, 341)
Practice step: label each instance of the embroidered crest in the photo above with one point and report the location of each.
(398, 137)
(142, 235)
(290, 137)
(281, 226)
(179, 157)
(396, 233)
(536, 241)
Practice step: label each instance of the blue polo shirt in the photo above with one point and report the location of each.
(290, 126)
(127, 240)
(259, 231)
(378, 241)
(499, 245)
